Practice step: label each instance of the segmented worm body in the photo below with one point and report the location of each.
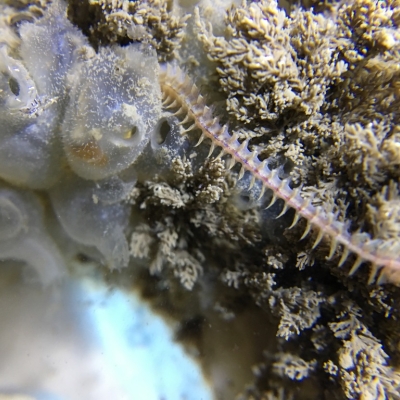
(180, 93)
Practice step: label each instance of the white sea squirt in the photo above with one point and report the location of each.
(32, 99)
(94, 111)
(65, 107)
(29, 155)
(93, 220)
(23, 234)
(114, 106)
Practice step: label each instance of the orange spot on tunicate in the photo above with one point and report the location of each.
(89, 152)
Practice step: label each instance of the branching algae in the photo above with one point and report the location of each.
(113, 132)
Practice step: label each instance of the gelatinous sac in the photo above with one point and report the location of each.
(94, 111)
(32, 99)
(114, 106)
(24, 237)
(29, 155)
(93, 214)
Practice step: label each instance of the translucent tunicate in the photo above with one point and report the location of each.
(23, 235)
(166, 143)
(92, 222)
(114, 106)
(32, 99)
(50, 47)
(11, 219)
(28, 153)
(17, 87)
(113, 189)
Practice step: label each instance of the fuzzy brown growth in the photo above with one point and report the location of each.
(182, 94)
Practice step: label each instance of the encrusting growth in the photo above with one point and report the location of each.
(180, 93)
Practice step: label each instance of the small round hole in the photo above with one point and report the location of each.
(131, 133)
(163, 132)
(14, 86)
(82, 258)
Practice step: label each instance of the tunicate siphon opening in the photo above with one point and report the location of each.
(245, 198)
(14, 86)
(163, 132)
(131, 133)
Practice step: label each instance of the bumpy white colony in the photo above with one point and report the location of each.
(73, 121)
